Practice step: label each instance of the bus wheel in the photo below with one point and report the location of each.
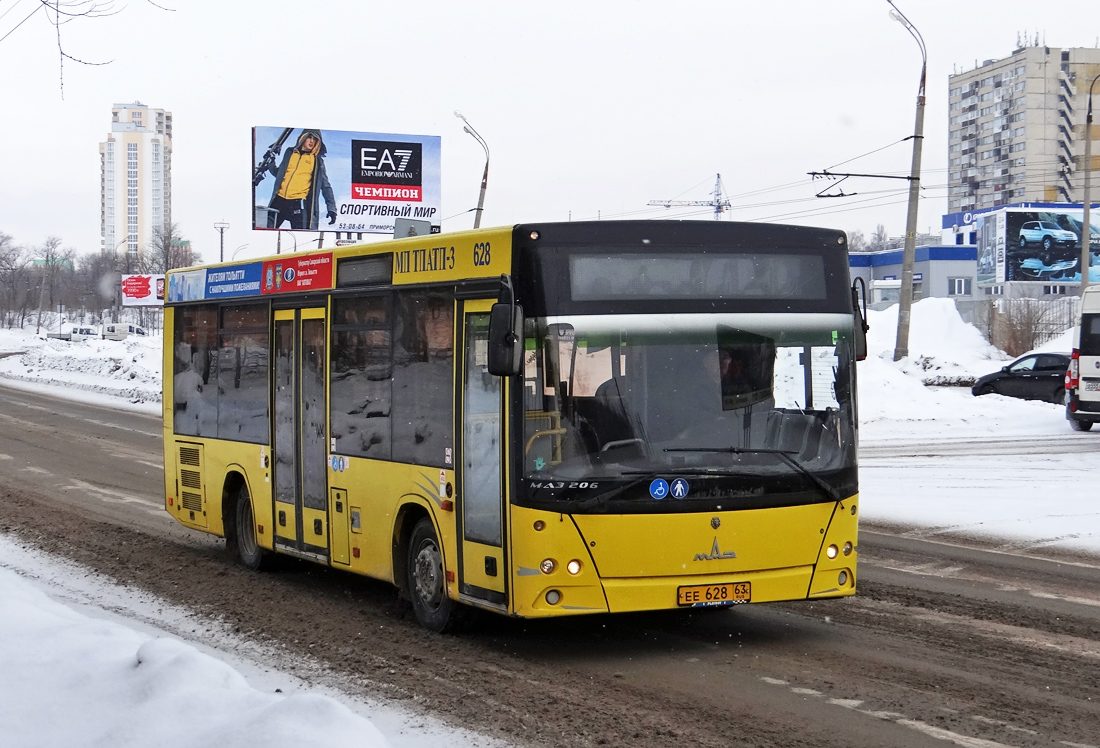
(248, 550)
(426, 582)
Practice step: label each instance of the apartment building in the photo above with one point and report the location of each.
(135, 178)
(1016, 128)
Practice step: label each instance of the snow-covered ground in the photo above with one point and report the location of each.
(69, 639)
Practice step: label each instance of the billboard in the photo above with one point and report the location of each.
(306, 179)
(143, 290)
(1034, 245)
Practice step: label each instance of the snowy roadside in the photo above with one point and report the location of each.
(87, 662)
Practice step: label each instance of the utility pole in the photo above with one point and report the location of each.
(221, 226)
(905, 302)
(1086, 226)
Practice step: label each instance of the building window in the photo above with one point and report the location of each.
(958, 286)
(994, 290)
(1054, 290)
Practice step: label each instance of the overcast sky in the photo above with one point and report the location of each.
(590, 109)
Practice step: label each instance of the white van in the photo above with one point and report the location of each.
(1083, 377)
(83, 333)
(121, 331)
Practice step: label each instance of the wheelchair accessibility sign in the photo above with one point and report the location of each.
(661, 489)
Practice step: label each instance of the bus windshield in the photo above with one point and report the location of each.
(762, 400)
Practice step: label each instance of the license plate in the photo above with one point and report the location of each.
(1092, 385)
(703, 595)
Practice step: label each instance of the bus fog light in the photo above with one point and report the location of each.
(848, 548)
(553, 597)
(548, 566)
(831, 551)
(574, 566)
(539, 525)
(842, 578)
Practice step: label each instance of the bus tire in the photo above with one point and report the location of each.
(249, 551)
(426, 581)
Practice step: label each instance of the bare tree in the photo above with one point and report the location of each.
(14, 281)
(169, 250)
(97, 280)
(55, 266)
(856, 241)
(879, 238)
(60, 12)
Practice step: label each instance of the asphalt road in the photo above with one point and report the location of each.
(944, 644)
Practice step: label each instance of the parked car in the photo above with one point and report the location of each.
(121, 331)
(83, 333)
(1046, 233)
(1036, 376)
(76, 335)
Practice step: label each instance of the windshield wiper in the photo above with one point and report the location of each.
(611, 493)
(782, 454)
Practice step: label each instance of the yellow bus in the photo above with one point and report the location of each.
(537, 420)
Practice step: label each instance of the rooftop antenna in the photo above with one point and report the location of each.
(719, 201)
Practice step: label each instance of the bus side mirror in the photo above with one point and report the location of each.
(505, 339)
(859, 309)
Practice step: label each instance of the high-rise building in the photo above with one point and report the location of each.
(135, 178)
(1016, 128)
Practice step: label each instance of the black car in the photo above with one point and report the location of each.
(1036, 376)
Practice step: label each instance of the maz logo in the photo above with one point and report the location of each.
(715, 553)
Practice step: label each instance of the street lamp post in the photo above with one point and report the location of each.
(221, 226)
(1086, 226)
(485, 174)
(235, 251)
(905, 302)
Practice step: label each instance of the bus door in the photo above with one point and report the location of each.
(481, 485)
(298, 441)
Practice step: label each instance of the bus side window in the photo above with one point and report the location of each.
(423, 365)
(361, 372)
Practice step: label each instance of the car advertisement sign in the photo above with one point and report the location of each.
(1033, 245)
(143, 290)
(309, 179)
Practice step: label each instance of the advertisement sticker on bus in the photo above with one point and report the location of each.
(297, 274)
(240, 280)
(312, 179)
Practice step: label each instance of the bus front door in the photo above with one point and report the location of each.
(298, 441)
(482, 489)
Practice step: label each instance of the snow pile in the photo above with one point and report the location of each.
(84, 681)
(943, 350)
(128, 369)
(897, 399)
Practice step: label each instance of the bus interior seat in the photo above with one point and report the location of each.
(795, 431)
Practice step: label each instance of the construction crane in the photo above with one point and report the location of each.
(718, 201)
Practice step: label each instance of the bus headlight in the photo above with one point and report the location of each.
(573, 567)
(848, 548)
(831, 551)
(547, 566)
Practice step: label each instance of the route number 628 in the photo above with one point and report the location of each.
(481, 254)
